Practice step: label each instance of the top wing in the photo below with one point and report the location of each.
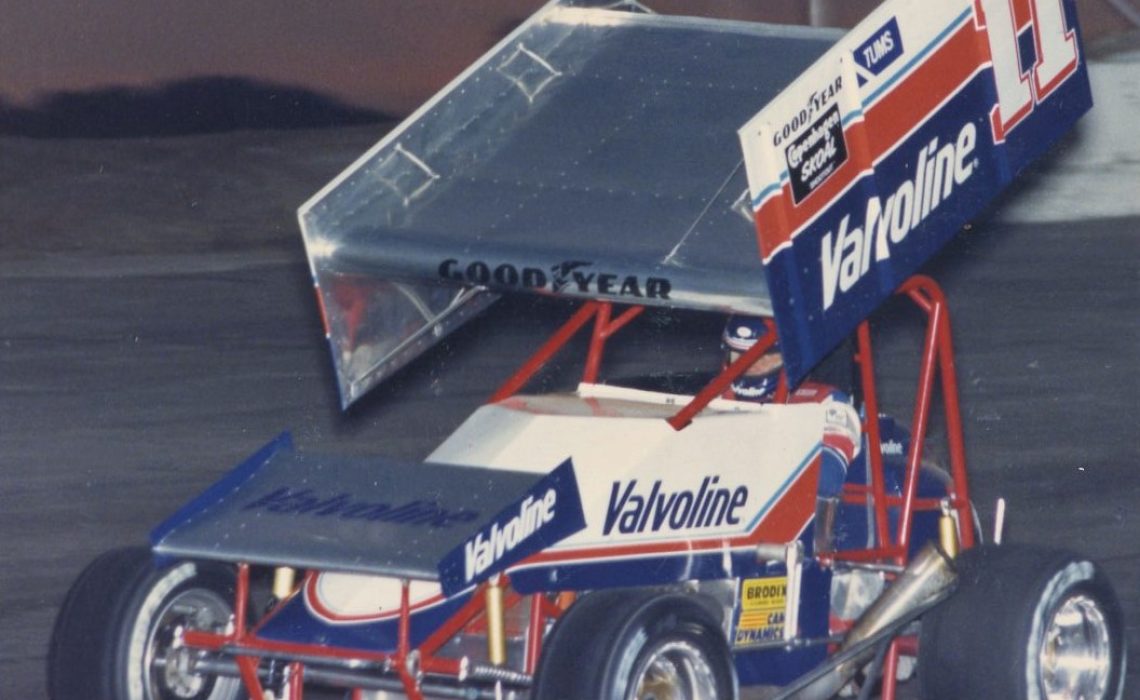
(592, 153)
(908, 127)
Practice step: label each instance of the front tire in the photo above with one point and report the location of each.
(1026, 623)
(636, 645)
(116, 637)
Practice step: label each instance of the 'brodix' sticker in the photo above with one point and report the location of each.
(763, 602)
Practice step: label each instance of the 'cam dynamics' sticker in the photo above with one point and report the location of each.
(763, 602)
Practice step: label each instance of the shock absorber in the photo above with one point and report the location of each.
(948, 530)
(496, 624)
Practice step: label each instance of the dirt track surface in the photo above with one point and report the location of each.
(157, 325)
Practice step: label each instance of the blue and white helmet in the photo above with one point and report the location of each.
(760, 380)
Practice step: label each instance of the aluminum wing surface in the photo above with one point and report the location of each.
(591, 154)
(372, 516)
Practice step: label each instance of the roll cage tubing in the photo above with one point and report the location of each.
(417, 672)
(358, 669)
(937, 360)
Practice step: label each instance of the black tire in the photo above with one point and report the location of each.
(121, 613)
(996, 637)
(611, 644)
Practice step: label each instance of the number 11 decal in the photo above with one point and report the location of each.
(1033, 52)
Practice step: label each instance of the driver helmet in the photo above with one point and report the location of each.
(759, 381)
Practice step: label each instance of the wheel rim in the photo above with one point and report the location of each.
(169, 675)
(677, 670)
(1076, 651)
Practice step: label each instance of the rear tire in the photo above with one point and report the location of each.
(636, 645)
(1025, 623)
(118, 625)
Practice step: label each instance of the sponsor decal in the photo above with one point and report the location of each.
(567, 277)
(816, 154)
(632, 512)
(287, 501)
(879, 51)
(563, 273)
(892, 448)
(961, 70)
(483, 551)
(763, 605)
(548, 512)
(816, 102)
(846, 254)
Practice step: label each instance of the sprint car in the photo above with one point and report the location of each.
(625, 541)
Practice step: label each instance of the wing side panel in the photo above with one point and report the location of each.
(908, 128)
(374, 516)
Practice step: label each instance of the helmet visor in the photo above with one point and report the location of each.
(769, 362)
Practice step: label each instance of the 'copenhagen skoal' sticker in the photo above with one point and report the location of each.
(816, 154)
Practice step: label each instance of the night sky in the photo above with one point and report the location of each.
(387, 55)
(382, 54)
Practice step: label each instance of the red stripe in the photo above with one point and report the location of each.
(892, 117)
(787, 518)
(782, 523)
(925, 88)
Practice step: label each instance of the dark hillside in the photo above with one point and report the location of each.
(196, 106)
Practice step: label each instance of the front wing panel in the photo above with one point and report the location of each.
(364, 515)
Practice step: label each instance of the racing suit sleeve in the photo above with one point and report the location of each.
(841, 435)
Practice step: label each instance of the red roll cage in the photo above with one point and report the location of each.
(937, 361)
(411, 666)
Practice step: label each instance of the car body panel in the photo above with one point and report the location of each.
(877, 155)
(363, 515)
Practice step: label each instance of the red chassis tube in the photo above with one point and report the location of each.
(248, 650)
(937, 361)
